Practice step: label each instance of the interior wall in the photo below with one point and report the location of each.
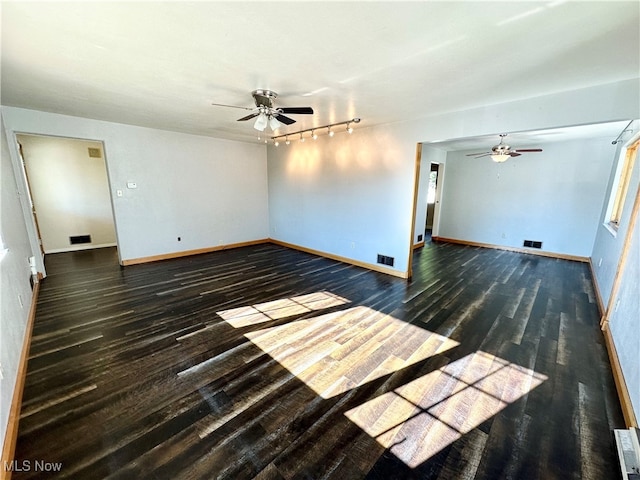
(207, 192)
(358, 190)
(554, 196)
(332, 195)
(15, 288)
(623, 322)
(70, 191)
(608, 247)
(625, 318)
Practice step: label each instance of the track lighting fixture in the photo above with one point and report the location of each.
(314, 130)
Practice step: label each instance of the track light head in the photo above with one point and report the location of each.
(314, 130)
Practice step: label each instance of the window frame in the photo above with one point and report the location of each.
(620, 188)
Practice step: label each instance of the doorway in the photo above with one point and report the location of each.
(69, 188)
(433, 199)
(427, 193)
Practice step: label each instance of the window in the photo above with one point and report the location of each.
(623, 178)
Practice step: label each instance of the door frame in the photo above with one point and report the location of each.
(24, 193)
(30, 197)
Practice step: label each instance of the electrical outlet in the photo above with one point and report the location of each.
(353, 245)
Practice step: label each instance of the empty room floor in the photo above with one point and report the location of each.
(265, 362)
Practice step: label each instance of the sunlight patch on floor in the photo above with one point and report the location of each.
(339, 351)
(420, 418)
(283, 308)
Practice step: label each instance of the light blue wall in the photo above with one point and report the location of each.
(346, 196)
(15, 288)
(607, 246)
(554, 196)
(624, 321)
(352, 196)
(207, 191)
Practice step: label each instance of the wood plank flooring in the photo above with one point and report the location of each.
(264, 362)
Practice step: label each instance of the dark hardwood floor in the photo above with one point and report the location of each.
(264, 362)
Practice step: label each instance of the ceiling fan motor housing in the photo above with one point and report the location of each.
(264, 97)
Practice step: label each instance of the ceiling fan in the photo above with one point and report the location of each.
(266, 114)
(502, 152)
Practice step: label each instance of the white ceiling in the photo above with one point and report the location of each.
(162, 64)
(535, 138)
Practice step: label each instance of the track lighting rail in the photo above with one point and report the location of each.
(314, 131)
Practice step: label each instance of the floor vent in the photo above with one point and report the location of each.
(532, 244)
(628, 445)
(384, 260)
(80, 239)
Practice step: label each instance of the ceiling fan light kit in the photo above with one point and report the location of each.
(502, 152)
(267, 114)
(500, 157)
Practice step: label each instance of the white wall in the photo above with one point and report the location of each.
(607, 249)
(209, 192)
(15, 290)
(359, 189)
(554, 196)
(70, 191)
